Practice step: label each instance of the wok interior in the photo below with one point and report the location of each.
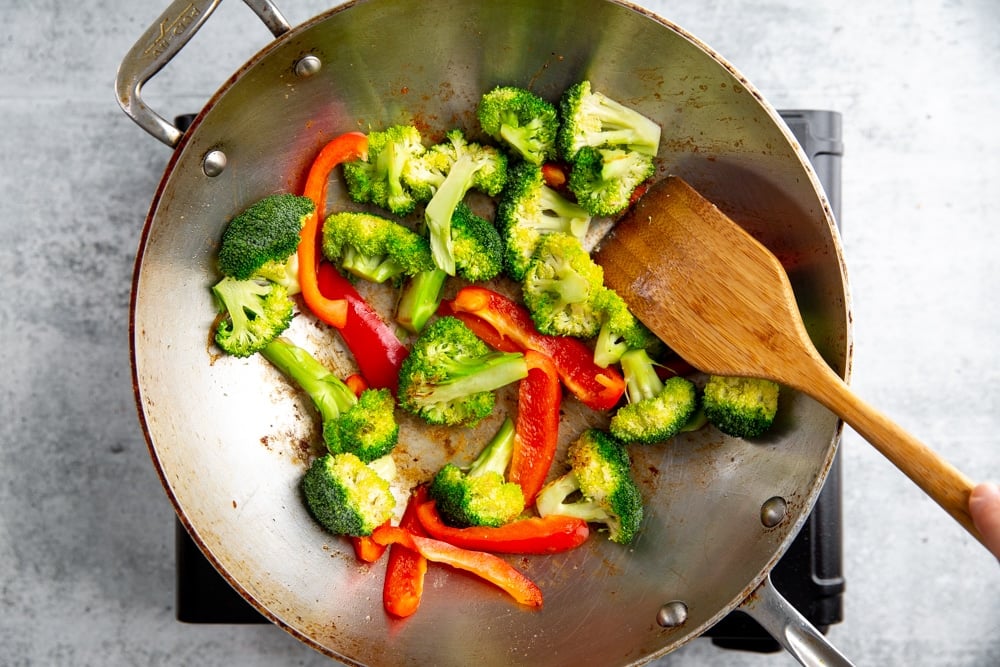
(230, 438)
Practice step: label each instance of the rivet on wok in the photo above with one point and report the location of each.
(773, 511)
(672, 614)
(214, 163)
(307, 66)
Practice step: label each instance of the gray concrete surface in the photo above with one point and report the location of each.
(86, 533)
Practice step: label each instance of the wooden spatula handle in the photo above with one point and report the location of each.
(948, 486)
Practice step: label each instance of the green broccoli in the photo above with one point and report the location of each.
(600, 470)
(620, 330)
(521, 120)
(346, 496)
(482, 496)
(656, 410)
(465, 166)
(379, 179)
(561, 288)
(374, 248)
(363, 425)
(261, 242)
(739, 406)
(450, 375)
(478, 254)
(591, 118)
(604, 179)
(255, 312)
(420, 299)
(476, 244)
(529, 209)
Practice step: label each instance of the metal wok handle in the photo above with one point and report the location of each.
(790, 629)
(160, 43)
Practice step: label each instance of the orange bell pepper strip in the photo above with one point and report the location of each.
(404, 574)
(534, 535)
(536, 429)
(484, 565)
(598, 388)
(345, 148)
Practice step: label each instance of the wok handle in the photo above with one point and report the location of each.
(791, 629)
(159, 44)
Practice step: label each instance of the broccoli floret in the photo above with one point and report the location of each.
(478, 257)
(469, 165)
(476, 244)
(591, 118)
(256, 311)
(450, 375)
(346, 496)
(656, 410)
(604, 179)
(378, 180)
(600, 470)
(482, 496)
(739, 406)
(363, 425)
(261, 242)
(521, 120)
(620, 330)
(374, 248)
(529, 209)
(561, 288)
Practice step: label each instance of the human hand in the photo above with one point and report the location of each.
(984, 506)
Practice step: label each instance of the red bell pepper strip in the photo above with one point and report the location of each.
(404, 574)
(536, 430)
(598, 388)
(345, 148)
(536, 535)
(376, 349)
(366, 549)
(485, 565)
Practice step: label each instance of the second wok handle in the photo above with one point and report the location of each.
(791, 629)
(940, 480)
(159, 44)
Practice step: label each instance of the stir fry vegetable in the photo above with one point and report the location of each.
(526, 307)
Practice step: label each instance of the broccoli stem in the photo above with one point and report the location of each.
(524, 138)
(557, 210)
(552, 500)
(624, 126)
(420, 299)
(487, 373)
(328, 392)
(376, 269)
(496, 456)
(641, 380)
(441, 208)
(570, 286)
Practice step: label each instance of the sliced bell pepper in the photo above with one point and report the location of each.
(376, 349)
(484, 565)
(598, 388)
(535, 535)
(404, 573)
(536, 429)
(344, 148)
(366, 549)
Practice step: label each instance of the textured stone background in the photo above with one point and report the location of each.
(86, 533)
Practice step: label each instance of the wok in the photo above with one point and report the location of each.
(230, 439)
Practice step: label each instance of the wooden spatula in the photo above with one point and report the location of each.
(723, 302)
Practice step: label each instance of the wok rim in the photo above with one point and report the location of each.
(791, 530)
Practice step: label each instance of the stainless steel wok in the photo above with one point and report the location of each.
(230, 439)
